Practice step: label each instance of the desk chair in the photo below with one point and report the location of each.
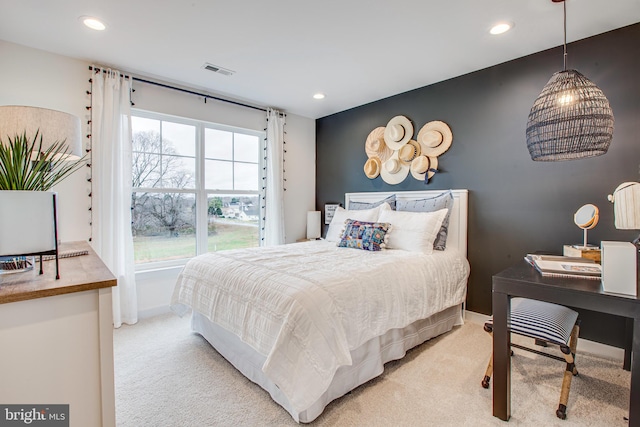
(546, 323)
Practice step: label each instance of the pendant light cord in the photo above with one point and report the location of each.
(564, 4)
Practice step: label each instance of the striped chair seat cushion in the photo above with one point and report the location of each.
(541, 320)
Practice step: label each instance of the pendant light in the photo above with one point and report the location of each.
(571, 118)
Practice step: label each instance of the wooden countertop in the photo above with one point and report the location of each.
(77, 274)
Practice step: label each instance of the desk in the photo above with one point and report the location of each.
(522, 280)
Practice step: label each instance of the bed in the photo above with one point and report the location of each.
(310, 321)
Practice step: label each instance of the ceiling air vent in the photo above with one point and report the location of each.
(217, 69)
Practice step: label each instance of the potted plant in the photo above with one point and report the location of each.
(27, 213)
(25, 166)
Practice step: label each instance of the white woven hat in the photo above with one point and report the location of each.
(422, 166)
(372, 167)
(394, 171)
(409, 151)
(435, 138)
(398, 132)
(375, 145)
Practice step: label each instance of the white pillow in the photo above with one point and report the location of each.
(413, 231)
(341, 215)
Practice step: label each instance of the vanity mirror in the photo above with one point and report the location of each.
(586, 218)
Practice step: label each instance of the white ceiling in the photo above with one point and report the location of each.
(284, 51)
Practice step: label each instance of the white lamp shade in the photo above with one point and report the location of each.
(53, 125)
(313, 224)
(27, 222)
(626, 206)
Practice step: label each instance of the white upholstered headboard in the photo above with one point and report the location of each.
(457, 235)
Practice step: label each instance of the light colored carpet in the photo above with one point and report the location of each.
(166, 375)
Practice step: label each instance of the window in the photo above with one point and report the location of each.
(196, 188)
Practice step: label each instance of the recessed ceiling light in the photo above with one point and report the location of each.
(500, 28)
(318, 96)
(93, 23)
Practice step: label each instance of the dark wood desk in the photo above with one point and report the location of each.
(522, 280)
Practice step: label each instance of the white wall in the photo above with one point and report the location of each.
(38, 78)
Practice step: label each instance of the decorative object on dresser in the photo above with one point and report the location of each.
(38, 148)
(571, 118)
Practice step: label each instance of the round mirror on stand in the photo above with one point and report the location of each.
(586, 218)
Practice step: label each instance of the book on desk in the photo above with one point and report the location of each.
(565, 266)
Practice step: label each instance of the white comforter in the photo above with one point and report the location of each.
(304, 306)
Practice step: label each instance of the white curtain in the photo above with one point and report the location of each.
(111, 187)
(274, 201)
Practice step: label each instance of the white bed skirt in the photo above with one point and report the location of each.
(368, 359)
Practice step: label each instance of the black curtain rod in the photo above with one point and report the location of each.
(204, 95)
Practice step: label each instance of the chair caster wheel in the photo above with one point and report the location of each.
(485, 383)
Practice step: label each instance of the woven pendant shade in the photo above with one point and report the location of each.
(571, 119)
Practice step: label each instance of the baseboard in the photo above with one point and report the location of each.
(584, 346)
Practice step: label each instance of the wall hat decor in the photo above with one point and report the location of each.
(394, 171)
(392, 153)
(435, 138)
(398, 132)
(409, 151)
(423, 168)
(372, 167)
(375, 146)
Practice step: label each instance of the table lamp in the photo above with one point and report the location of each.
(313, 225)
(626, 207)
(619, 259)
(52, 125)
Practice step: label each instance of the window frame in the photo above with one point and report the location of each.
(199, 191)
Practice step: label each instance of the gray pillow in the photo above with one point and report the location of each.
(432, 204)
(356, 206)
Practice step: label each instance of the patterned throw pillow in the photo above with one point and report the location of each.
(341, 215)
(432, 204)
(356, 206)
(369, 236)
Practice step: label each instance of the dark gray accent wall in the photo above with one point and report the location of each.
(516, 205)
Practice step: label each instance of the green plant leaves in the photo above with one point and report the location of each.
(24, 166)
